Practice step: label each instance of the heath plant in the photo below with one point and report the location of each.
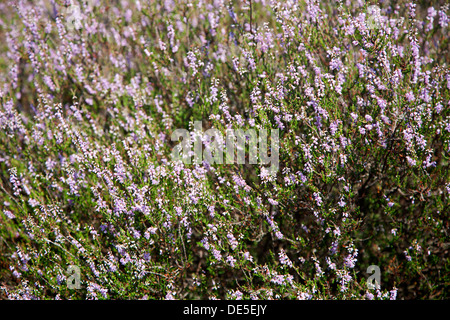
(121, 178)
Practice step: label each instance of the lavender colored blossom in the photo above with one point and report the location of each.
(92, 92)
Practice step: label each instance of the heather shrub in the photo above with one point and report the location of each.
(92, 91)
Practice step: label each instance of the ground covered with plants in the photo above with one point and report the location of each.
(91, 92)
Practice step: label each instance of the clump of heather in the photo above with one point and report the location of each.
(91, 92)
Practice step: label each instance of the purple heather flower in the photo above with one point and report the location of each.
(284, 259)
(362, 130)
(334, 127)
(9, 214)
(217, 254)
(248, 256)
(393, 294)
(410, 96)
(318, 198)
(232, 241)
(408, 257)
(278, 279)
(231, 261)
(369, 296)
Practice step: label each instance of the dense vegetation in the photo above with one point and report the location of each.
(91, 92)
